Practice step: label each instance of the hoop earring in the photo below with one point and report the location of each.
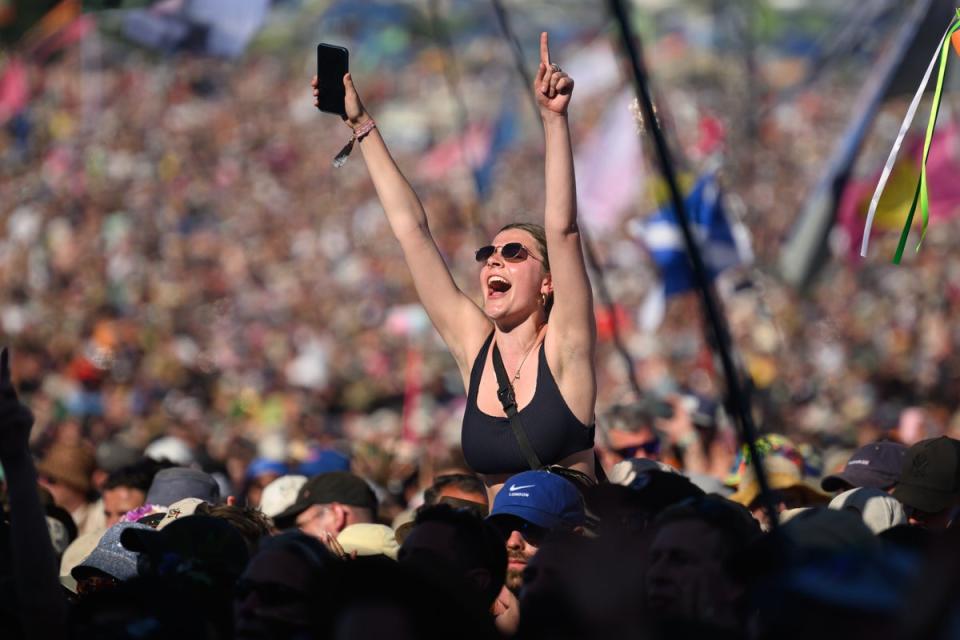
(543, 299)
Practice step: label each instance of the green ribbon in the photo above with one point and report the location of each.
(921, 195)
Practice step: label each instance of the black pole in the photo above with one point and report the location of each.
(451, 74)
(503, 19)
(738, 399)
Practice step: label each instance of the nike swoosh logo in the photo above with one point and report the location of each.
(514, 487)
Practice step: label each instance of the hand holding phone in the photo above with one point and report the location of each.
(333, 92)
(332, 65)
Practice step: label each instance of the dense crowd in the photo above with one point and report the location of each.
(867, 552)
(177, 251)
(243, 426)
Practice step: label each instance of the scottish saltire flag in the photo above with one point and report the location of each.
(721, 245)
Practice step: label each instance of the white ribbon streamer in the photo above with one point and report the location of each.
(892, 158)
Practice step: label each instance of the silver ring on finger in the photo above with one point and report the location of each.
(556, 67)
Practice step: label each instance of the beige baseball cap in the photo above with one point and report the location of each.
(369, 540)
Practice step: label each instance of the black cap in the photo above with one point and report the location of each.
(876, 466)
(930, 480)
(658, 490)
(211, 543)
(336, 486)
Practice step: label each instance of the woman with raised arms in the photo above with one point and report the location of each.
(537, 306)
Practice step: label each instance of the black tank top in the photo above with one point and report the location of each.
(489, 445)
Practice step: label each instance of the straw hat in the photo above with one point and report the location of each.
(72, 465)
(782, 474)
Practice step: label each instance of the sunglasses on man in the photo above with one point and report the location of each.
(511, 252)
(650, 448)
(506, 525)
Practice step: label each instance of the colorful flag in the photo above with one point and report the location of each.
(14, 89)
(609, 167)
(720, 246)
(921, 197)
(478, 148)
(59, 28)
(505, 132)
(943, 165)
(220, 28)
(464, 149)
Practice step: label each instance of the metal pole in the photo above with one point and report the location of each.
(503, 19)
(738, 399)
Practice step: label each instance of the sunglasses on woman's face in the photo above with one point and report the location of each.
(511, 252)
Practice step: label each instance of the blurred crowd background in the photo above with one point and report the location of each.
(179, 258)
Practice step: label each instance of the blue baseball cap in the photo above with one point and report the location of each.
(262, 466)
(540, 497)
(323, 461)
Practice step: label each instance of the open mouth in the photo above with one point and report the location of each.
(497, 286)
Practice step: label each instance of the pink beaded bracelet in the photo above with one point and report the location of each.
(364, 129)
(358, 134)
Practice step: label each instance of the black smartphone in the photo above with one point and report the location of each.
(331, 67)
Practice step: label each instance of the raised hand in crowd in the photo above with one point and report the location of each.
(552, 86)
(356, 114)
(682, 434)
(15, 419)
(42, 608)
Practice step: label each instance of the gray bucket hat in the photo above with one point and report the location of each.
(109, 556)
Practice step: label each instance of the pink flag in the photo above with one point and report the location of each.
(14, 89)
(469, 149)
(943, 165)
(609, 167)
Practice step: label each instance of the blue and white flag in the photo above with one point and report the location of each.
(505, 131)
(720, 243)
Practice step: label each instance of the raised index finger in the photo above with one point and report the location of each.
(544, 49)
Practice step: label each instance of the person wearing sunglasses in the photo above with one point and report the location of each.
(628, 433)
(531, 505)
(527, 274)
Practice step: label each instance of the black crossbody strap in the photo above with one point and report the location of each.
(509, 402)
